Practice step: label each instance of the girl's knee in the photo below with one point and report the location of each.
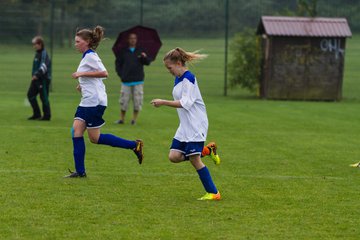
(174, 158)
(196, 162)
(171, 158)
(78, 128)
(76, 132)
(93, 139)
(94, 135)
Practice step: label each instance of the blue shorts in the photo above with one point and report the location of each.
(92, 116)
(187, 148)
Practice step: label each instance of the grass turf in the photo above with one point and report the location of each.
(284, 173)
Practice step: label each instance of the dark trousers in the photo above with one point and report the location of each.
(40, 86)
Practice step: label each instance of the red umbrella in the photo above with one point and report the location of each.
(148, 40)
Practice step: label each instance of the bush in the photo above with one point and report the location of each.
(244, 69)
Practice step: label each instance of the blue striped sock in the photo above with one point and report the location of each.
(114, 141)
(79, 154)
(206, 180)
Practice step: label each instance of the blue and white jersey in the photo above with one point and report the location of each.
(93, 90)
(193, 118)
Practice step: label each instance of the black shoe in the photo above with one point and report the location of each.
(75, 175)
(133, 122)
(35, 117)
(119, 122)
(138, 150)
(45, 119)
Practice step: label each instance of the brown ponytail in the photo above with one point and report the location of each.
(178, 54)
(94, 36)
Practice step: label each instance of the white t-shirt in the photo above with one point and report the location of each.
(93, 90)
(193, 118)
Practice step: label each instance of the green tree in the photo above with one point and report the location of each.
(244, 69)
(307, 8)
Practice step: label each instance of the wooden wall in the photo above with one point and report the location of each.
(299, 68)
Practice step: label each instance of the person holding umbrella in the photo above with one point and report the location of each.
(130, 68)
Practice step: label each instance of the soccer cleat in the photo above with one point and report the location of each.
(210, 196)
(138, 150)
(355, 164)
(214, 156)
(133, 122)
(75, 175)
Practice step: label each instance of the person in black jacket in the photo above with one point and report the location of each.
(40, 81)
(130, 68)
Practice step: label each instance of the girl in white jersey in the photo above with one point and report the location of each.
(188, 142)
(90, 74)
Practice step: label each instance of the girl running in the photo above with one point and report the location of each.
(188, 143)
(90, 74)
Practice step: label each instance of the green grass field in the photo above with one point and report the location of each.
(284, 171)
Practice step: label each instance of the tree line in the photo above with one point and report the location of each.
(20, 19)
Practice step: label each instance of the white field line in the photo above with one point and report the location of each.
(290, 177)
(116, 173)
(38, 126)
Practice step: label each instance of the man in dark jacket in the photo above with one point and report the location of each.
(40, 81)
(130, 68)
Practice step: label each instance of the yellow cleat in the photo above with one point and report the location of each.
(355, 164)
(138, 150)
(214, 156)
(210, 196)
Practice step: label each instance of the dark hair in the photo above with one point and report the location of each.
(38, 40)
(179, 54)
(93, 36)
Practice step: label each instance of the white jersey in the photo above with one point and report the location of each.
(193, 118)
(92, 89)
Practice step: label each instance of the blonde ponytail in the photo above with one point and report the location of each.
(178, 54)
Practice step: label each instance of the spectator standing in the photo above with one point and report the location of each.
(40, 81)
(130, 68)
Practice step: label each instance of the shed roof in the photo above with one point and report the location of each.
(304, 27)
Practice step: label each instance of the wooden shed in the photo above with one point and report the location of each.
(303, 58)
